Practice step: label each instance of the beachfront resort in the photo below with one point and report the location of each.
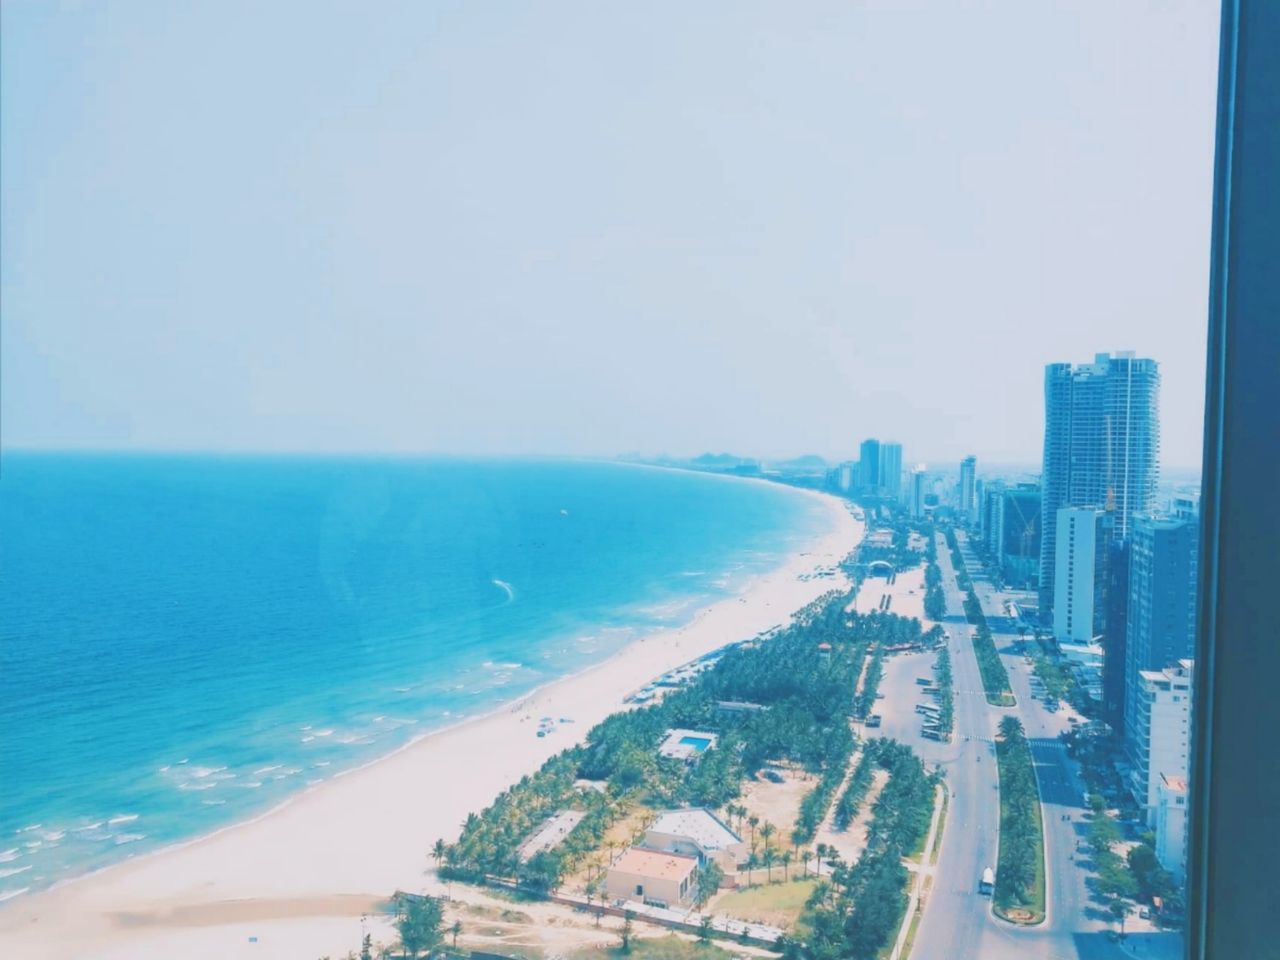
(745, 796)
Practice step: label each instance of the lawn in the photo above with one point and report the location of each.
(669, 947)
(775, 904)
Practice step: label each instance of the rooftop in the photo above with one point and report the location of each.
(697, 824)
(549, 835)
(1176, 784)
(656, 866)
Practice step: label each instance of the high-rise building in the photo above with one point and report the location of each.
(890, 480)
(869, 467)
(968, 489)
(1020, 536)
(918, 490)
(844, 477)
(1162, 601)
(1114, 663)
(1101, 446)
(1161, 746)
(991, 518)
(1079, 612)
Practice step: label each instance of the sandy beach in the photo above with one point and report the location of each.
(294, 882)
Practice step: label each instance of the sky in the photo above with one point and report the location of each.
(594, 228)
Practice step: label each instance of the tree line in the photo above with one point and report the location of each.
(1019, 891)
(856, 912)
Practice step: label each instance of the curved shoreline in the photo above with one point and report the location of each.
(368, 834)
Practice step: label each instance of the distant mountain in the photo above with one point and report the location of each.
(719, 460)
(810, 461)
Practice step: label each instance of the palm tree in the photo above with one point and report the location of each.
(769, 857)
(786, 865)
(821, 855)
(455, 930)
(752, 821)
(438, 852)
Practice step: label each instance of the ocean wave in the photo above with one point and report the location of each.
(29, 828)
(129, 838)
(120, 818)
(85, 828)
(202, 772)
(192, 785)
(268, 769)
(10, 894)
(14, 871)
(53, 836)
(507, 588)
(213, 803)
(8, 856)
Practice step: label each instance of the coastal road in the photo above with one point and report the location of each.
(1075, 927)
(956, 921)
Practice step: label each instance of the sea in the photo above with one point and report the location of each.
(186, 641)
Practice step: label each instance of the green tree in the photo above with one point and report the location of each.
(708, 882)
(704, 928)
(628, 928)
(1119, 911)
(418, 922)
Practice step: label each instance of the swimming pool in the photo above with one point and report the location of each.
(698, 743)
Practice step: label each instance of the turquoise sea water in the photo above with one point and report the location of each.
(185, 641)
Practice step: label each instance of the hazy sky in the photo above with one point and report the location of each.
(595, 227)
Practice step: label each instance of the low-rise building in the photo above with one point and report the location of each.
(696, 832)
(1171, 826)
(1162, 734)
(652, 876)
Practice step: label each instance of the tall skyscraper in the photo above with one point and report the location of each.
(1162, 602)
(968, 489)
(991, 518)
(890, 470)
(1084, 535)
(869, 467)
(915, 499)
(1101, 446)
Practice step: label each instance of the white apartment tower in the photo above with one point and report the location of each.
(1079, 610)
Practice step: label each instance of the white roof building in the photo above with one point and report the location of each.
(696, 831)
